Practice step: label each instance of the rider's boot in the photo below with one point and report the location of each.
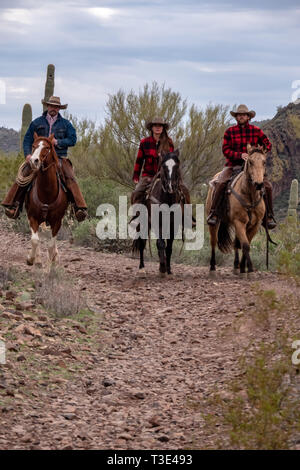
(13, 212)
(218, 194)
(81, 213)
(269, 219)
(14, 200)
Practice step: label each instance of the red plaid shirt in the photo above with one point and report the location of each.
(148, 156)
(236, 139)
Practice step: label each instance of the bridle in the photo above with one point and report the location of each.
(254, 204)
(163, 180)
(43, 167)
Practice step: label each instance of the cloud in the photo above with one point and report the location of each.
(17, 15)
(102, 13)
(221, 52)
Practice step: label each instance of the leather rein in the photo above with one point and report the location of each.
(244, 204)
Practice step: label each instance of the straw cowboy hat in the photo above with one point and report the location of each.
(242, 109)
(157, 120)
(55, 101)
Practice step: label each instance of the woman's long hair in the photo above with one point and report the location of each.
(164, 142)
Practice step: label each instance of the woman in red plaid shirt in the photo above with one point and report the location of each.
(235, 143)
(148, 158)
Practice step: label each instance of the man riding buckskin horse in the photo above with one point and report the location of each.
(51, 122)
(149, 156)
(235, 143)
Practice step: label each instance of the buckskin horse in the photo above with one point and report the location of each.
(165, 189)
(47, 201)
(244, 214)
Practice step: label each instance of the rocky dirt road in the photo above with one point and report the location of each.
(129, 371)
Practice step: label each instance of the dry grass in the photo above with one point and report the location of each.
(58, 294)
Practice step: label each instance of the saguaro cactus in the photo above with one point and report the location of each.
(294, 200)
(49, 85)
(26, 120)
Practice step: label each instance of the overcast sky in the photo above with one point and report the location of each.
(219, 52)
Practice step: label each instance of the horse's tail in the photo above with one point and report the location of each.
(225, 237)
(138, 244)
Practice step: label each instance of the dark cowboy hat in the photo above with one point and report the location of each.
(242, 109)
(55, 101)
(157, 120)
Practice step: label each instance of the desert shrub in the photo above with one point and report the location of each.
(6, 275)
(85, 233)
(9, 164)
(260, 411)
(98, 192)
(21, 224)
(57, 293)
(288, 249)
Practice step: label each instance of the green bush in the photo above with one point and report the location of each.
(98, 192)
(9, 165)
(85, 233)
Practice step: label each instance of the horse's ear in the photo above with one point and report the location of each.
(176, 152)
(248, 148)
(35, 136)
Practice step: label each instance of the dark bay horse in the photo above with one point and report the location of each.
(164, 192)
(47, 201)
(245, 212)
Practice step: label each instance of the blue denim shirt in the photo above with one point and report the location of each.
(63, 131)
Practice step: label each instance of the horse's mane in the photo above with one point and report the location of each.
(256, 150)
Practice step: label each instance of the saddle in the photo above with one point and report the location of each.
(223, 208)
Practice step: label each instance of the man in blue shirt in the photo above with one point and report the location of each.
(51, 122)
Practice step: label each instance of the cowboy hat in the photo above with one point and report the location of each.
(157, 120)
(242, 109)
(55, 101)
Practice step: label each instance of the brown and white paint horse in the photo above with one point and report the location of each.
(245, 213)
(47, 201)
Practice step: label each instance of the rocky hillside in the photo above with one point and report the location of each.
(284, 132)
(9, 140)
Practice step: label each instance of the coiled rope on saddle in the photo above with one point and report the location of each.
(22, 180)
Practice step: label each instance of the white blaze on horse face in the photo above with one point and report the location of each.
(35, 157)
(170, 164)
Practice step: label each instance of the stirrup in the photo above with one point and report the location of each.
(212, 219)
(80, 214)
(271, 222)
(12, 212)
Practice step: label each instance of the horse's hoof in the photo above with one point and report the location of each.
(213, 273)
(29, 262)
(142, 272)
(38, 265)
(243, 275)
(170, 273)
(162, 274)
(250, 275)
(236, 271)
